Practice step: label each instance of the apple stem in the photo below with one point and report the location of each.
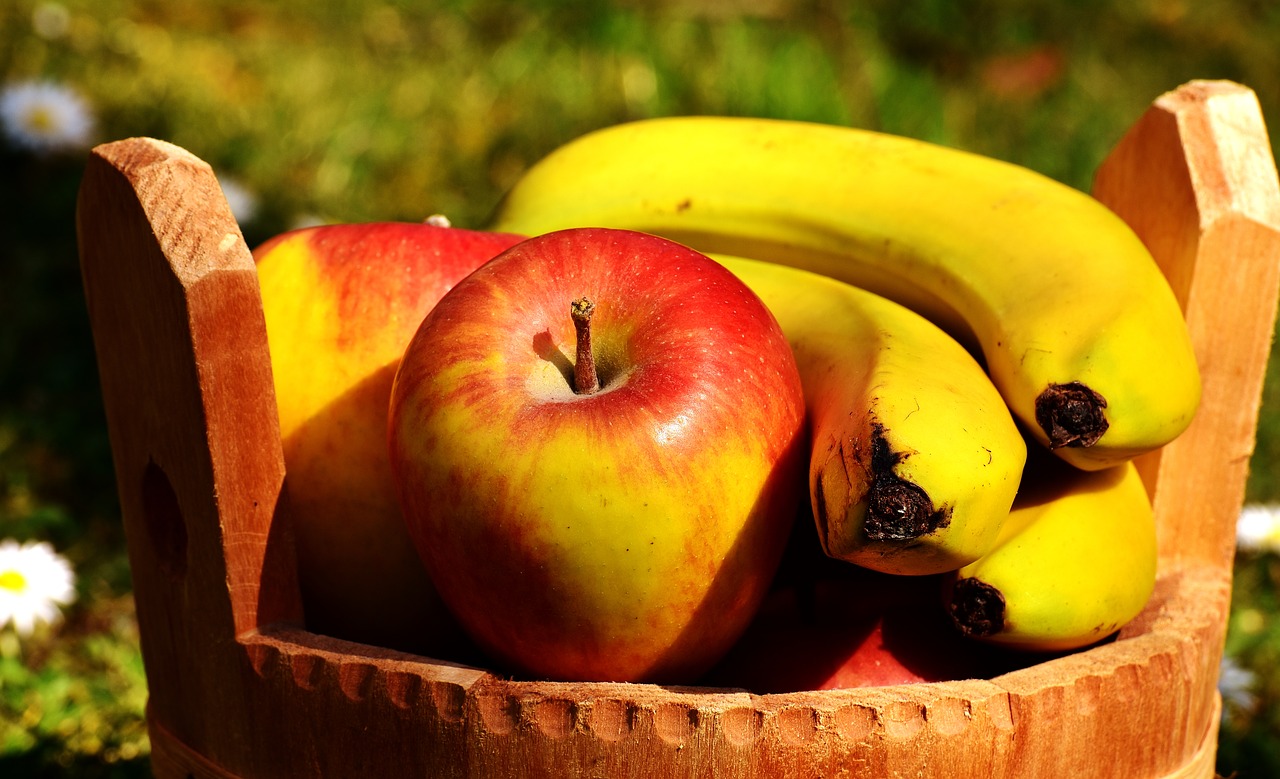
(585, 380)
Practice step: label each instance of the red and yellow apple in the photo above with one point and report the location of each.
(621, 534)
(827, 624)
(341, 303)
(846, 632)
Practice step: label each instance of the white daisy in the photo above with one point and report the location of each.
(244, 204)
(34, 582)
(1237, 686)
(45, 117)
(1258, 528)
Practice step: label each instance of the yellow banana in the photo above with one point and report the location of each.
(915, 456)
(1078, 328)
(1074, 562)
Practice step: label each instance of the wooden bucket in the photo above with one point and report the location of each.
(238, 687)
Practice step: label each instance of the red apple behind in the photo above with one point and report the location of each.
(828, 624)
(341, 304)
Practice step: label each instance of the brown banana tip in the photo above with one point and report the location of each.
(897, 510)
(1071, 414)
(976, 608)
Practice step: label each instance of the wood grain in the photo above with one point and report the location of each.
(240, 689)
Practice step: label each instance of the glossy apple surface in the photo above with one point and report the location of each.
(341, 303)
(625, 535)
(827, 624)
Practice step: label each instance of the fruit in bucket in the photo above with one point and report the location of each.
(598, 443)
(341, 302)
(854, 628)
(915, 458)
(1074, 563)
(826, 624)
(1078, 328)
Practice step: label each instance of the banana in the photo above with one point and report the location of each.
(1074, 562)
(915, 457)
(1076, 325)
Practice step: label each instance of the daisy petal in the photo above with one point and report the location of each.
(45, 117)
(35, 581)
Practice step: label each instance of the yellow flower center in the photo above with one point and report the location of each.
(13, 581)
(40, 120)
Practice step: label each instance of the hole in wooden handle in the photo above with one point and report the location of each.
(166, 528)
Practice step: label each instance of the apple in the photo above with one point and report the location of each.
(341, 302)
(622, 534)
(841, 633)
(827, 624)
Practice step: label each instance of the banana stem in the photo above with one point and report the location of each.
(585, 379)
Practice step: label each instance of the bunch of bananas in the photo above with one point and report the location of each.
(955, 319)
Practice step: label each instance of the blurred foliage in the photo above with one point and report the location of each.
(351, 111)
(1250, 741)
(75, 706)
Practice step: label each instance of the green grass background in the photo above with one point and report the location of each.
(351, 111)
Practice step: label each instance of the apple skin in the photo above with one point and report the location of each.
(843, 633)
(828, 624)
(626, 535)
(341, 303)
